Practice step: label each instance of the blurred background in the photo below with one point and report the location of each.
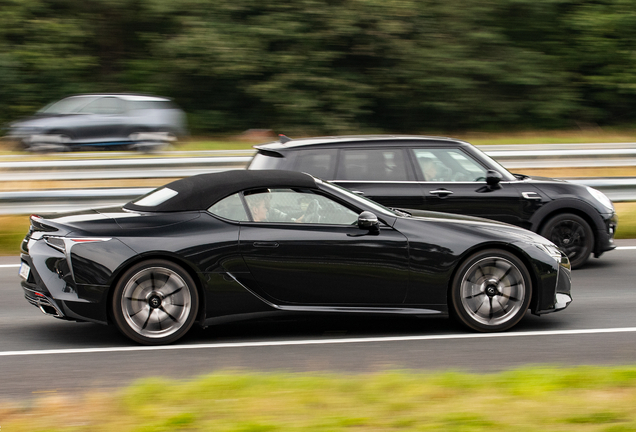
(332, 66)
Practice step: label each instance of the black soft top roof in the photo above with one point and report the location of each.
(199, 192)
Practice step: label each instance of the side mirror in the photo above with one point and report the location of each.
(369, 221)
(493, 178)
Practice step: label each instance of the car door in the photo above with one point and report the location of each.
(306, 248)
(103, 120)
(381, 174)
(453, 181)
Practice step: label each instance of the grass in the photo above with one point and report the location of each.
(14, 227)
(626, 220)
(526, 399)
(12, 231)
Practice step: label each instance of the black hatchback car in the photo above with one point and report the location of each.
(449, 175)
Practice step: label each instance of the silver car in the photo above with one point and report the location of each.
(100, 121)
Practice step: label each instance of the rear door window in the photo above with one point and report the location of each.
(318, 163)
(373, 165)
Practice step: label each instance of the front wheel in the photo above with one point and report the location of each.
(155, 302)
(491, 291)
(572, 234)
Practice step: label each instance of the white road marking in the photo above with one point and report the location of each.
(626, 248)
(320, 342)
(9, 265)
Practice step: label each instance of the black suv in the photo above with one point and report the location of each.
(448, 175)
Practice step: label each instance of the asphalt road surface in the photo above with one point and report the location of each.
(43, 355)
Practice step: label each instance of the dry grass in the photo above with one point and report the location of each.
(589, 135)
(530, 399)
(12, 231)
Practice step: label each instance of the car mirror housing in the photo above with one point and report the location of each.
(493, 178)
(369, 221)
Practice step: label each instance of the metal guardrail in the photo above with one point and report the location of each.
(42, 201)
(87, 166)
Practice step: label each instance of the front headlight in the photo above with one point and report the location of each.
(601, 198)
(551, 250)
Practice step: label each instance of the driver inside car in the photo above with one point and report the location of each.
(262, 210)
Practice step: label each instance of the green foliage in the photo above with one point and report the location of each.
(590, 399)
(332, 66)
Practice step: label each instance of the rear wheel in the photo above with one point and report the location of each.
(572, 234)
(491, 291)
(155, 302)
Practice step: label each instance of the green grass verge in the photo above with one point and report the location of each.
(13, 228)
(12, 231)
(526, 399)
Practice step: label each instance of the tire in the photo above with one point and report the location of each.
(491, 291)
(573, 235)
(155, 302)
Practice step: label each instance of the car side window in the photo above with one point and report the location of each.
(230, 208)
(373, 164)
(319, 163)
(293, 206)
(105, 105)
(448, 165)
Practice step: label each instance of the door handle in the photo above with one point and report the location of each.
(441, 192)
(266, 244)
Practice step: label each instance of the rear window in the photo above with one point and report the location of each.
(374, 165)
(267, 160)
(156, 197)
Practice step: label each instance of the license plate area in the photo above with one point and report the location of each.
(25, 271)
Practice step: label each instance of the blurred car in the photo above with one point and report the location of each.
(101, 121)
(449, 175)
(237, 244)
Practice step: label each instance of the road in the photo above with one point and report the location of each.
(42, 355)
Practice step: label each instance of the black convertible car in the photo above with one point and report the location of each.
(243, 244)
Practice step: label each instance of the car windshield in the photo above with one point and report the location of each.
(67, 106)
(362, 200)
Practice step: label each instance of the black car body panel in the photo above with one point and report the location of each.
(250, 268)
(397, 179)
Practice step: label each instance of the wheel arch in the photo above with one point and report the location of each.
(508, 247)
(187, 266)
(574, 206)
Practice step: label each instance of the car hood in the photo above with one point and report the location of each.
(523, 177)
(488, 227)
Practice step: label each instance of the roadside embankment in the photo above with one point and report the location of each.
(527, 399)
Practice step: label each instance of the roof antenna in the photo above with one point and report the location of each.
(283, 139)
